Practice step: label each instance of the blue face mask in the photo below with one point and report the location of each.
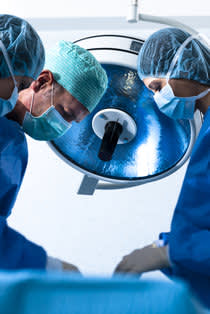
(176, 107)
(49, 126)
(7, 105)
(172, 106)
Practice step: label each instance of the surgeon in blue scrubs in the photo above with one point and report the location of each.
(176, 68)
(21, 59)
(67, 90)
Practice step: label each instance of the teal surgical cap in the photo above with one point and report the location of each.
(77, 70)
(23, 45)
(157, 52)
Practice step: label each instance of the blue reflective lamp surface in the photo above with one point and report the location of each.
(159, 144)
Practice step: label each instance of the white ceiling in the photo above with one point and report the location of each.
(70, 8)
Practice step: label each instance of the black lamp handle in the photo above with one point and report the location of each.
(112, 133)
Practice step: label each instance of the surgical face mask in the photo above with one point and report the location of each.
(49, 126)
(176, 107)
(171, 105)
(7, 105)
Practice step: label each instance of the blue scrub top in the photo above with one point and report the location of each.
(15, 250)
(189, 239)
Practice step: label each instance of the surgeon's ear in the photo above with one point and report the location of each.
(44, 80)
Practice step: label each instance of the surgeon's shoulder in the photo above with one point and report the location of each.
(11, 133)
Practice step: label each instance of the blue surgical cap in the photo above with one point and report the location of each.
(159, 49)
(78, 71)
(23, 45)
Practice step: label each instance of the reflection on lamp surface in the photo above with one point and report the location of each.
(159, 144)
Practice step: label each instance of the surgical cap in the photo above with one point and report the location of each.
(157, 53)
(77, 70)
(23, 45)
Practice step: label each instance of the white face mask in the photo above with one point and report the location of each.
(172, 106)
(7, 105)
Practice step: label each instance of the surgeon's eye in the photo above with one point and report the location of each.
(155, 86)
(70, 117)
(67, 114)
